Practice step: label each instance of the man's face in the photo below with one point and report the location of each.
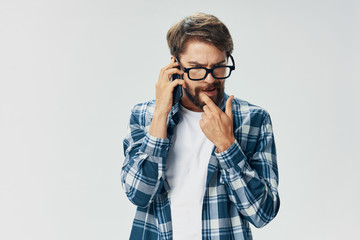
(200, 54)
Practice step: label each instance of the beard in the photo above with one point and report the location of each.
(195, 98)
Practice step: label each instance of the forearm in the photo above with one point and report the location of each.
(255, 196)
(158, 127)
(255, 200)
(143, 170)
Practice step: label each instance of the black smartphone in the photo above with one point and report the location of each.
(178, 93)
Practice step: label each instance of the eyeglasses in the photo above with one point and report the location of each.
(218, 72)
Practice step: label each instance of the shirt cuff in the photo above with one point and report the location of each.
(231, 157)
(154, 146)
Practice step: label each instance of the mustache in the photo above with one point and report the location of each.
(215, 85)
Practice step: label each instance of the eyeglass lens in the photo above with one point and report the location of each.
(218, 72)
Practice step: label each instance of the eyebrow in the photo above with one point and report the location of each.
(203, 65)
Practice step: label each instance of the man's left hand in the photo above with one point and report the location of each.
(217, 125)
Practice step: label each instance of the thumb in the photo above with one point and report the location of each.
(228, 108)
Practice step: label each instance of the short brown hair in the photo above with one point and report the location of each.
(201, 27)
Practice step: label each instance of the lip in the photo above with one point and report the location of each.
(210, 92)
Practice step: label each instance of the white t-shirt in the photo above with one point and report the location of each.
(186, 171)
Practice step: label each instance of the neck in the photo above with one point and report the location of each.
(186, 103)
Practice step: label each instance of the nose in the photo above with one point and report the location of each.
(209, 78)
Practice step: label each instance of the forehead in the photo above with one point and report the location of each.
(202, 52)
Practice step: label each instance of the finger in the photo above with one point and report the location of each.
(172, 71)
(177, 82)
(207, 110)
(228, 108)
(207, 100)
(203, 117)
(169, 66)
(202, 123)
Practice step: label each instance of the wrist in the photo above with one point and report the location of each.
(161, 112)
(221, 147)
(160, 115)
(158, 127)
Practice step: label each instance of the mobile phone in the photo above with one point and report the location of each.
(178, 93)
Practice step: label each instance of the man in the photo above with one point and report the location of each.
(206, 167)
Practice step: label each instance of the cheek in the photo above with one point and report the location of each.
(189, 85)
(221, 84)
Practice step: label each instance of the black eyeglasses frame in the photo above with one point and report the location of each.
(211, 70)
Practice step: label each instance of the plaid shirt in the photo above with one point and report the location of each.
(241, 186)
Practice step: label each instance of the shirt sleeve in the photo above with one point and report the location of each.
(252, 183)
(143, 171)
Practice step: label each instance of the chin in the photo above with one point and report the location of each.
(195, 99)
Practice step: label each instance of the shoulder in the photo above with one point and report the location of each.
(144, 108)
(249, 112)
(142, 112)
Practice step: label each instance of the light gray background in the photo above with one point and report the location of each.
(71, 70)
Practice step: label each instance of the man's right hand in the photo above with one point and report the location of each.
(164, 98)
(165, 88)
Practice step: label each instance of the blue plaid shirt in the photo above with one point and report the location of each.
(241, 186)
